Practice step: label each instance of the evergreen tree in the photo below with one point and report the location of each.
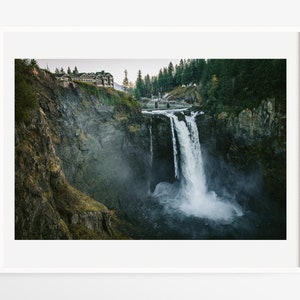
(154, 84)
(177, 76)
(181, 72)
(75, 71)
(125, 82)
(161, 80)
(147, 86)
(33, 63)
(139, 86)
(170, 77)
(69, 71)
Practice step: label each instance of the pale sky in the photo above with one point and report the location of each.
(114, 66)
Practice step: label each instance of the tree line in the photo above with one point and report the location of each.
(62, 71)
(232, 82)
(186, 72)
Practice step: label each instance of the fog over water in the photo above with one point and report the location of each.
(191, 195)
(204, 197)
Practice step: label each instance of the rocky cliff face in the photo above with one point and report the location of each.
(254, 125)
(84, 171)
(248, 151)
(76, 149)
(47, 206)
(162, 168)
(35, 162)
(103, 149)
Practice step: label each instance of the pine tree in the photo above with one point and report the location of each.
(147, 86)
(170, 77)
(125, 81)
(181, 78)
(139, 86)
(69, 71)
(154, 85)
(75, 71)
(160, 81)
(33, 63)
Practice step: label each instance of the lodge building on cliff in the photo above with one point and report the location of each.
(103, 79)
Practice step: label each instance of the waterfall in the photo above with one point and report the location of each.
(191, 195)
(151, 144)
(175, 152)
(194, 181)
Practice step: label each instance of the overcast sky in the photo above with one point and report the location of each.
(114, 66)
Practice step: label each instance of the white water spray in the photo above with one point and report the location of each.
(191, 196)
(175, 152)
(151, 144)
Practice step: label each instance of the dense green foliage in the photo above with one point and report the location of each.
(25, 98)
(187, 72)
(222, 83)
(243, 82)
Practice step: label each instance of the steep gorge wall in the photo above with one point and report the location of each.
(46, 204)
(248, 151)
(103, 149)
(76, 160)
(83, 168)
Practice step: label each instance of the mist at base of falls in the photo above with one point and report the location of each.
(191, 195)
(193, 205)
(206, 206)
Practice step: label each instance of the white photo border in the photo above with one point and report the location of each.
(148, 256)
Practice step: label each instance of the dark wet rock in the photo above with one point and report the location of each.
(53, 155)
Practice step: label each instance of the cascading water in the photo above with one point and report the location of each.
(151, 144)
(190, 194)
(175, 152)
(151, 155)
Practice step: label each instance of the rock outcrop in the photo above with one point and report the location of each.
(256, 124)
(63, 162)
(46, 204)
(248, 151)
